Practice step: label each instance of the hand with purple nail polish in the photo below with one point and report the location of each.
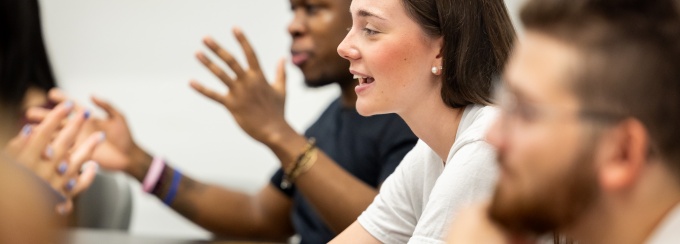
(48, 150)
(119, 151)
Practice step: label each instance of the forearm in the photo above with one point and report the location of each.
(222, 211)
(336, 195)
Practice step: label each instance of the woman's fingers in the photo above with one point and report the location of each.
(68, 134)
(43, 133)
(37, 114)
(56, 95)
(65, 207)
(17, 143)
(84, 151)
(85, 179)
(69, 169)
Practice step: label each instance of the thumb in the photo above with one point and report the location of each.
(280, 81)
(106, 106)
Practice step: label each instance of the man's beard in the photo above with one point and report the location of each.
(553, 205)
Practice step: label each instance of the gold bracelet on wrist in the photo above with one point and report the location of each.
(301, 165)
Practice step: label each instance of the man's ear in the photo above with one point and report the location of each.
(621, 154)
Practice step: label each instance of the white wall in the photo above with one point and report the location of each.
(139, 55)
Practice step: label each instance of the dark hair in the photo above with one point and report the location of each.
(478, 36)
(23, 59)
(629, 61)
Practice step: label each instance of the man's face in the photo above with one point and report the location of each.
(545, 155)
(317, 29)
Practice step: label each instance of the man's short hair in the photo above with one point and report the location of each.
(629, 65)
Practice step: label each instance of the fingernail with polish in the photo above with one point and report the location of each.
(71, 183)
(61, 210)
(63, 166)
(26, 130)
(68, 104)
(94, 164)
(87, 114)
(89, 164)
(49, 152)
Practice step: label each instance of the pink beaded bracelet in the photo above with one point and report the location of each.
(154, 174)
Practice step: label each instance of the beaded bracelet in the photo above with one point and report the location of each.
(301, 165)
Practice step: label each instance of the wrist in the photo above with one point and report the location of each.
(286, 144)
(153, 175)
(279, 136)
(301, 164)
(139, 164)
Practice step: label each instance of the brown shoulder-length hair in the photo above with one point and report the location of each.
(478, 36)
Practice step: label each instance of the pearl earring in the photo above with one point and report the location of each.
(436, 70)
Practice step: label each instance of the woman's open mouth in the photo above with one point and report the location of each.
(364, 80)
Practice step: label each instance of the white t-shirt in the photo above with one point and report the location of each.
(667, 231)
(418, 202)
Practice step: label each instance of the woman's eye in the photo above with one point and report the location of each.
(370, 32)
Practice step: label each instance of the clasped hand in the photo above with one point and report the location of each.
(47, 149)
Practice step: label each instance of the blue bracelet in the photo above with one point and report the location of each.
(176, 177)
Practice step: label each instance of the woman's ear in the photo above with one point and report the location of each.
(439, 45)
(438, 62)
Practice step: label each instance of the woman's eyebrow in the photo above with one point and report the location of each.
(366, 13)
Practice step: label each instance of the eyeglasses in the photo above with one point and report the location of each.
(518, 113)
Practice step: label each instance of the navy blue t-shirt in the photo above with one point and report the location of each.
(370, 148)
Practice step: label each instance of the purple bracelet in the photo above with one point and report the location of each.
(154, 174)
